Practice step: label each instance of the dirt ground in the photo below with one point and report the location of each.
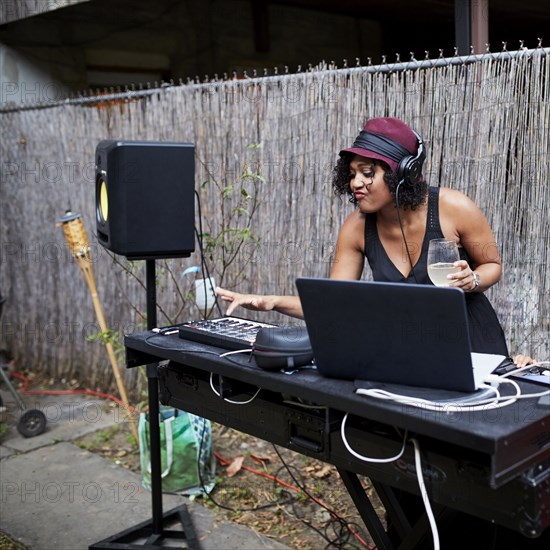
(294, 499)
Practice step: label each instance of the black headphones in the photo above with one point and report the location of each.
(409, 168)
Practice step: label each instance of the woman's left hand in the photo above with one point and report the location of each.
(523, 361)
(464, 278)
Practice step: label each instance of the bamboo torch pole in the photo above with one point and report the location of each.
(79, 247)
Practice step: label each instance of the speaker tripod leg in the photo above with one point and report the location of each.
(154, 445)
(142, 537)
(152, 534)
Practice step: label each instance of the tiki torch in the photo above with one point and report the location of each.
(80, 249)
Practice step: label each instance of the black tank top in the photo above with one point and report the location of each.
(486, 334)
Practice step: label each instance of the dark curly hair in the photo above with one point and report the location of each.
(410, 196)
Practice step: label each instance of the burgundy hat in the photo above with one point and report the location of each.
(388, 139)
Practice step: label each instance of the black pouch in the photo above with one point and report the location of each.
(282, 348)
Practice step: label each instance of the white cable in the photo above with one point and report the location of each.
(420, 478)
(481, 405)
(527, 367)
(229, 400)
(235, 352)
(424, 493)
(450, 406)
(543, 364)
(367, 458)
(530, 395)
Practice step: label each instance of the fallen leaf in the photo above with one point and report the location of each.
(260, 459)
(324, 471)
(235, 466)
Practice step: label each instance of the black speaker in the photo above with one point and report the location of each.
(145, 203)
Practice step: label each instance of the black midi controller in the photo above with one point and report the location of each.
(232, 333)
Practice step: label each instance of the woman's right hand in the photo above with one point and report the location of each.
(254, 302)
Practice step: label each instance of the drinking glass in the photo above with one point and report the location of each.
(442, 253)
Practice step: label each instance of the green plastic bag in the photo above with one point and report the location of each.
(187, 461)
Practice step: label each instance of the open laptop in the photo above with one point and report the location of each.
(406, 334)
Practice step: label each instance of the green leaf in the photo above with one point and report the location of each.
(254, 177)
(242, 211)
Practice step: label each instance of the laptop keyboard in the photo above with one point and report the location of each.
(505, 367)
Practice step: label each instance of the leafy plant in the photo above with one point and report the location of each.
(232, 229)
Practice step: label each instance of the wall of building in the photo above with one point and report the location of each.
(25, 81)
(14, 10)
(77, 48)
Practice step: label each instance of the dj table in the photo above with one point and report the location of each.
(492, 464)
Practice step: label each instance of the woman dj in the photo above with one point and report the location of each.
(396, 215)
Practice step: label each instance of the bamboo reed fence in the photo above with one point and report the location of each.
(485, 120)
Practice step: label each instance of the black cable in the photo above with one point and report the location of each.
(402, 231)
(204, 265)
(344, 525)
(203, 486)
(208, 352)
(294, 509)
(203, 271)
(257, 508)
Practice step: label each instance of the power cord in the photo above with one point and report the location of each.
(169, 331)
(216, 392)
(533, 368)
(204, 265)
(223, 506)
(344, 525)
(424, 493)
(368, 458)
(483, 404)
(290, 500)
(149, 342)
(419, 476)
(452, 406)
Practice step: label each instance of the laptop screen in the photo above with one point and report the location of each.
(408, 334)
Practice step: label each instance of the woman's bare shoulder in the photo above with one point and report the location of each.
(453, 200)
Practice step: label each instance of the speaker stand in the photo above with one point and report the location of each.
(154, 533)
